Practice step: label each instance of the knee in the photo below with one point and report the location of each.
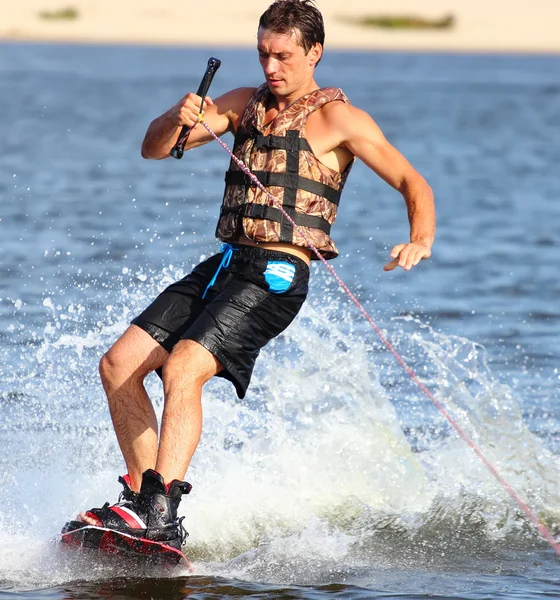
(109, 365)
(176, 371)
(114, 366)
(188, 366)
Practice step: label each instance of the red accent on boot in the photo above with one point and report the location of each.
(127, 480)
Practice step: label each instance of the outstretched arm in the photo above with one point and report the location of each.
(221, 115)
(364, 139)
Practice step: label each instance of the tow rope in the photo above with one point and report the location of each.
(543, 530)
(213, 65)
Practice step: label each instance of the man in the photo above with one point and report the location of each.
(301, 142)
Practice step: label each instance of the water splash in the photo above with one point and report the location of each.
(333, 459)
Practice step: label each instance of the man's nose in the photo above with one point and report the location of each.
(270, 66)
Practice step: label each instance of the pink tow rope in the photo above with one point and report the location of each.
(528, 512)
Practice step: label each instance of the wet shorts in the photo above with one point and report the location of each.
(231, 307)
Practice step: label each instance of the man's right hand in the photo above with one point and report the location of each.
(186, 111)
(163, 132)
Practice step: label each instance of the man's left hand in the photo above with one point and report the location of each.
(407, 256)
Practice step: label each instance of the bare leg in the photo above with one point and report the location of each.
(186, 370)
(123, 370)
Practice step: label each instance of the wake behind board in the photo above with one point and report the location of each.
(77, 535)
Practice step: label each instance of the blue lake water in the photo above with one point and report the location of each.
(335, 477)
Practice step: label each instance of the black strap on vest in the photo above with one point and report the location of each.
(270, 213)
(290, 183)
(278, 142)
(269, 179)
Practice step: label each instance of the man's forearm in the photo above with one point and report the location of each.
(160, 137)
(419, 200)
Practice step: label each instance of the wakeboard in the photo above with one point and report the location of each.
(114, 543)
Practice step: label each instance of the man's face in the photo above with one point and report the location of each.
(284, 62)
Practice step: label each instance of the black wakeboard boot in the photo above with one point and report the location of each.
(158, 503)
(150, 514)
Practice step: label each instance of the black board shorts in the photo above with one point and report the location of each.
(234, 314)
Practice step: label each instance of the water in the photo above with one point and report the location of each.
(335, 477)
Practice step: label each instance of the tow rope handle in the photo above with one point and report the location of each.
(179, 148)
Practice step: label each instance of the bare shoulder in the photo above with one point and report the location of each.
(337, 112)
(349, 120)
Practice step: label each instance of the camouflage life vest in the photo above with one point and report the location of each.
(279, 155)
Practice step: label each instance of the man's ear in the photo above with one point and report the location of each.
(315, 54)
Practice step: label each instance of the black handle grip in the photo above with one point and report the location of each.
(211, 68)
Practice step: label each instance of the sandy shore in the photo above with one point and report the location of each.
(481, 25)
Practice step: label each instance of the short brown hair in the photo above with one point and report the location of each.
(299, 16)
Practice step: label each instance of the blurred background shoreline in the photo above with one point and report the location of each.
(435, 25)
